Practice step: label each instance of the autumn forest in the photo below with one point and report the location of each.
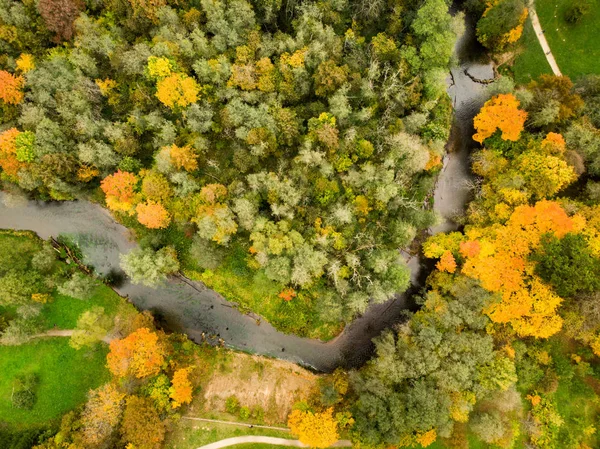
(289, 159)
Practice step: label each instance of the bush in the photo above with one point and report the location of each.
(79, 286)
(244, 413)
(577, 10)
(232, 405)
(23, 395)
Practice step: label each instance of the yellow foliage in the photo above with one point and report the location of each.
(502, 265)
(42, 298)
(25, 63)
(177, 90)
(159, 67)
(314, 429)
(184, 157)
(106, 86)
(181, 389)
(427, 438)
(87, 173)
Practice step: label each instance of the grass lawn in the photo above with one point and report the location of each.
(64, 310)
(576, 48)
(65, 376)
(532, 62)
(193, 434)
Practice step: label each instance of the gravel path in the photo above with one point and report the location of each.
(542, 38)
(265, 440)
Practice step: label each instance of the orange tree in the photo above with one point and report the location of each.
(119, 189)
(498, 256)
(140, 354)
(11, 88)
(153, 215)
(501, 112)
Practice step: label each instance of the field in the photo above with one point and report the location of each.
(65, 376)
(576, 47)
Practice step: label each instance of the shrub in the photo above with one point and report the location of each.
(576, 10)
(23, 396)
(232, 405)
(244, 413)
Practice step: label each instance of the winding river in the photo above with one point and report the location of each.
(192, 308)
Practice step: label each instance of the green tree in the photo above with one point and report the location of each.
(568, 264)
(145, 266)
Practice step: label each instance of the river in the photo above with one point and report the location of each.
(191, 308)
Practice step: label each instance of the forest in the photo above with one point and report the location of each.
(283, 155)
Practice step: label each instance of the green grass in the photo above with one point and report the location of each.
(193, 434)
(532, 62)
(576, 47)
(63, 311)
(65, 376)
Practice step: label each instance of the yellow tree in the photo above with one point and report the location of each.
(101, 414)
(184, 157)
(314, 429)
(500, 112)
(177, 90)
(181, 387)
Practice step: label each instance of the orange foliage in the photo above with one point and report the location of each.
(501, 112)
(554, 143)
(184, 157)
(427, 438)
(447, 263)
(8, 153)
(101, 414)
(11, 88)
(288, 294)
(502, 266)
(181, 389)
(153, 215)
(314, 429)
(140, 354)
(119, 190)
(469, 248)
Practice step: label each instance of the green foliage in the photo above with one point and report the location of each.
(24, 391)
(145, 266)
(79, 286)
(568, 265)
(299, 125)
(232, 405)
(24, 145)
(577, 10)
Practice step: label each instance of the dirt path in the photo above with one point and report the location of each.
(542, 38)
(234, 423)
(65, 333)
(265, 440)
